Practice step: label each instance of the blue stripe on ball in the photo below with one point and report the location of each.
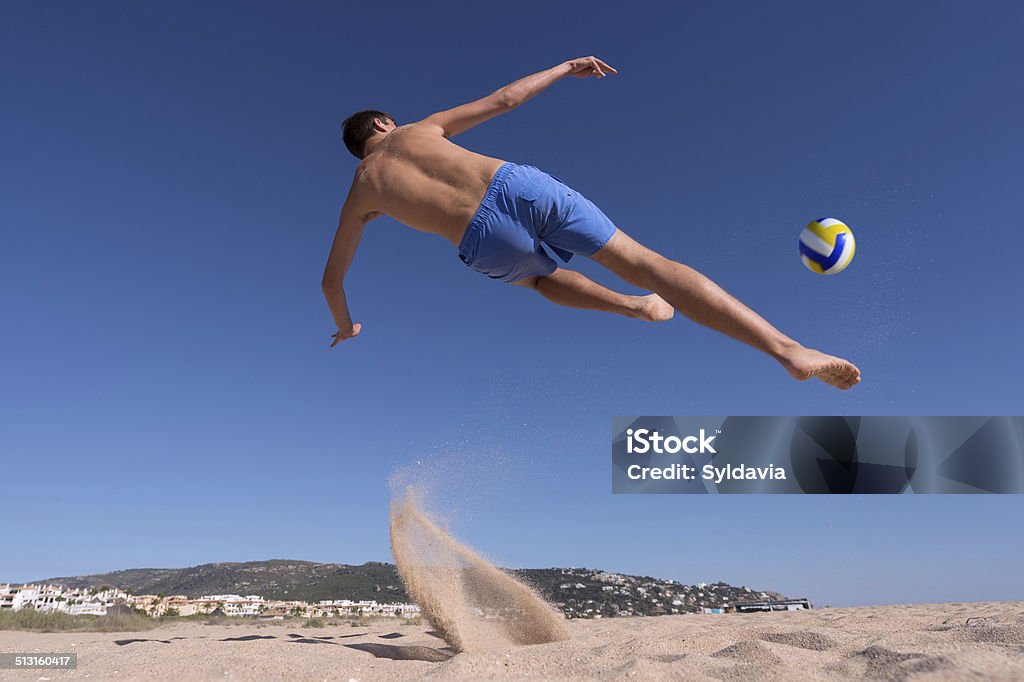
(829, 261)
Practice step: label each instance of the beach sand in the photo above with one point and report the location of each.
(937, 642)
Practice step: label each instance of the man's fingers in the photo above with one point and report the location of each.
(599, 67)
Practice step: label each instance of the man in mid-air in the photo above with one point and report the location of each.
(499, 213)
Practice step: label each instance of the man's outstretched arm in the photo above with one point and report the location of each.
(346, 240)
(464, 117)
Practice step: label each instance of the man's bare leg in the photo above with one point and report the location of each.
(704, 302)
(570, 288)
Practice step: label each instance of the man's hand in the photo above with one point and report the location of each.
(588, 66)
(343, 335)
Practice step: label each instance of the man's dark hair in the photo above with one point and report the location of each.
(358, 128)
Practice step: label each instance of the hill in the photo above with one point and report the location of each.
(579, 592)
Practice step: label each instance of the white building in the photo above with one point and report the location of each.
(234, 604)
(90, 607)
(58, 598)
(15, 597)
(364, 608)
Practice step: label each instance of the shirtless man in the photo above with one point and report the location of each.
(497, 214)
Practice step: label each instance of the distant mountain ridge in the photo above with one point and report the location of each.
(285, 579)
(579, 592)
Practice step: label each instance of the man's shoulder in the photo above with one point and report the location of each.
(425, 126)
(360, 190)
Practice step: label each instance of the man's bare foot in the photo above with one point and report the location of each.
(653, 308)
(804, 363)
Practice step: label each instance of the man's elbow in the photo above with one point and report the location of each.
(504, 100)
(330, 284)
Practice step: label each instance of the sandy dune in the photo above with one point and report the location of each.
(950, 641)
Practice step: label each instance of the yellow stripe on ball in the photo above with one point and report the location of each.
(827, 233)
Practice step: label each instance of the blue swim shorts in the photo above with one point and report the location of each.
(525, 207)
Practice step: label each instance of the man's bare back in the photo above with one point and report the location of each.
(423, 180)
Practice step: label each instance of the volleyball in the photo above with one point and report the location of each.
(827, 246)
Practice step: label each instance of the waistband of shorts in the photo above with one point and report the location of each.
(487, 209)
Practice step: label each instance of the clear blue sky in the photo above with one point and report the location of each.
(171, 178)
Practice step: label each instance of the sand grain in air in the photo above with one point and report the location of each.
(474, 605)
